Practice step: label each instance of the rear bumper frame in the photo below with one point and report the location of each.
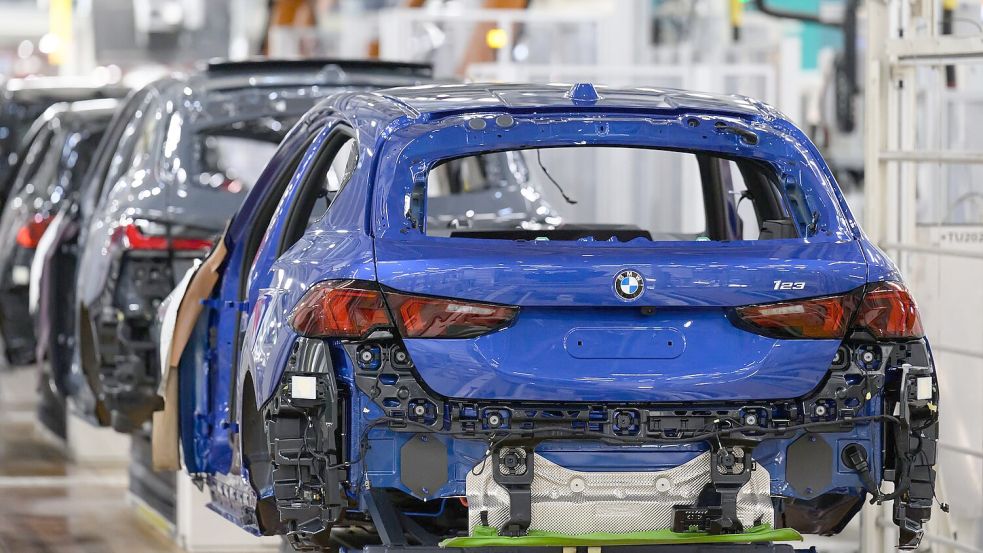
(860, 388)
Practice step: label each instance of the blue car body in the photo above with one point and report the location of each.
(683, 352)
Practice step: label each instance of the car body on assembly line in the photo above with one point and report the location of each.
(175, 167)
(448, 309)
(63, 141)
(22, 101)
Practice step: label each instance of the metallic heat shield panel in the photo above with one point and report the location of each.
(573, 502)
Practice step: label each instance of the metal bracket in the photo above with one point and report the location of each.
(513, 470)
(730, 470)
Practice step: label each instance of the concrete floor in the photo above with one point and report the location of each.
(49, 504)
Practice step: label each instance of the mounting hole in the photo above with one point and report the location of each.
(578, 485)
(505, 121)
(663, 484)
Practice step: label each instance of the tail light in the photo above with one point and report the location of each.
(30, 234)
(134, 238)
(885, 309)
(815, 318)
(340, 309)
(889, 312)
(353, 309)
(425, 317)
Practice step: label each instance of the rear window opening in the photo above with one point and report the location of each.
(230, 158)
(603, 193)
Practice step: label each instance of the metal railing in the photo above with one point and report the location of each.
(897, 133)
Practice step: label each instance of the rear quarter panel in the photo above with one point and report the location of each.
(269, 337)
(336, 247)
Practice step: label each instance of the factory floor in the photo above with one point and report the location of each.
(49, 504)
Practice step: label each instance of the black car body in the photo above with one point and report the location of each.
(22, 101)
(164, 189)
(63, 141)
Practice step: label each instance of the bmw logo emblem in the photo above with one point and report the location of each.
(629, 285)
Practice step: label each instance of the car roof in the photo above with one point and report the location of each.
(59, 89)
(251, 88)
(65, 118)
(251, 66)
(95, 109)
(77, 113)
(275, 73)
(433, 101)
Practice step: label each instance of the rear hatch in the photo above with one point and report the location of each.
(180, 226)
(576, 339)
(693, 215)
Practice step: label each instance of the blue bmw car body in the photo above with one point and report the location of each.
(410, 337)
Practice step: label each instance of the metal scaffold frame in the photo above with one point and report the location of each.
(904, 36)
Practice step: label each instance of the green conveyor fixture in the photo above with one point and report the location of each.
(486, 536)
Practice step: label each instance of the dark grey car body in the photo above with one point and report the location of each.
(22, 101)
(62, 143)
(167, 177)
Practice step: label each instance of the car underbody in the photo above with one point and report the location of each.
(877, 397)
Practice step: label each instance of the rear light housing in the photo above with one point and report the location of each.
(29, 235)
(885, 309)
(353, 309)
(426, 317)
(138, 236)
(889, 312)
(823, 318)
(340, 309)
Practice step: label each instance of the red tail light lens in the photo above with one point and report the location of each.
(424, 317)
(886, 310)
(353, 309)
(815, 318)
(339, 309)
(889, 312)
(30, 234)
(135, 239)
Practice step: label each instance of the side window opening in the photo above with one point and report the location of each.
(106, 151)
(75, 163)
(34, 161)
(334, 180)
(135, 145)
(143, 147)
(323, 183)
(591, 193)
(230, 158)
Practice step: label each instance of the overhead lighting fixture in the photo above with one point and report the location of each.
(496, 38)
